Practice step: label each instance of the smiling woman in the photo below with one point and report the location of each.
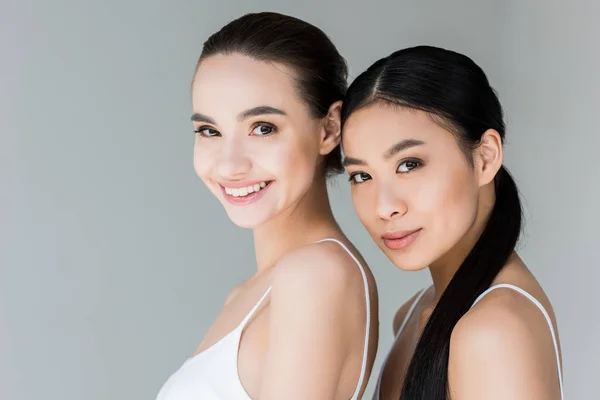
(266, 99)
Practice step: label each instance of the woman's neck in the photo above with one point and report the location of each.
(443, 270)
(307, 221)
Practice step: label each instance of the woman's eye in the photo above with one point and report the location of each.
(359, 177)
(207, 132)
(263, 129)
(408, 165)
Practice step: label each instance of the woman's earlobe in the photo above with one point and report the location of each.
(332, 131)
(491, 156)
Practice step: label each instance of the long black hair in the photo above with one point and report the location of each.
(321, 72)
(456, 93)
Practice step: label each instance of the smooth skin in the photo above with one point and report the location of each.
(415, 176)
(306, 341)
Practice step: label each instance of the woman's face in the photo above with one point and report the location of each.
(257, 146)
(412, 186)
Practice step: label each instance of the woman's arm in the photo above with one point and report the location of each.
(312, 330)
(503, 349)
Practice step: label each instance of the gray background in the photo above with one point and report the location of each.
(114, 258)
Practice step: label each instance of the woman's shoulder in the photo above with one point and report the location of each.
(321, 265)
(515, 308)
(317, 288)
(506, 332)
(515, 305)
(403, 311)
(503, 312)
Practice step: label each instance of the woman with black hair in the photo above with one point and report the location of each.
(422, 133)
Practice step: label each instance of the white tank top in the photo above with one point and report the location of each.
(213, 373)
(377, 395)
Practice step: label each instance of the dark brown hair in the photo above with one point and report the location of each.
(321, 72)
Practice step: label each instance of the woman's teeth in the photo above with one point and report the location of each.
(245, 191)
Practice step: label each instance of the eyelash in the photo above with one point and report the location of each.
(265, 124)
(204, 128)
(199, 131)
(410, 160)
(352, 177)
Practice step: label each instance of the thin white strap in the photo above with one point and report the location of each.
(251, 313)
(368, 321)
(543, 310)
(409, 313)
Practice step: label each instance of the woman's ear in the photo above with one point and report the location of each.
(332, 129)
(488, 156)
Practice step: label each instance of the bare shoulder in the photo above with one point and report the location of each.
(315, 291)
(503, 315)
(233, 293)
(313, 318)
(402, 312)
(503, 343)
(318, 266)
(499, 319)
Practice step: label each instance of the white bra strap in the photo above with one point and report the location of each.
(251, 313)
(368, 321)
(543, 310)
